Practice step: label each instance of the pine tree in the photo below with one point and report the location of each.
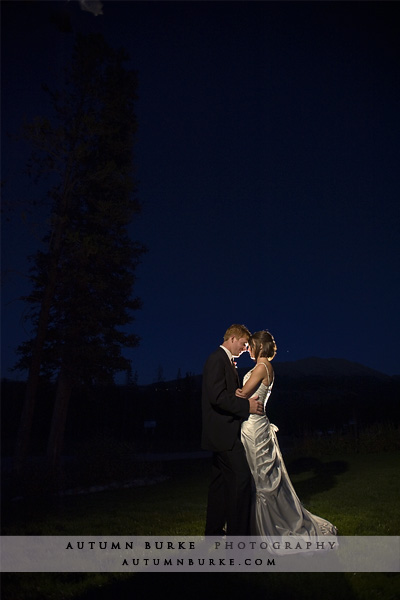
(81, 305)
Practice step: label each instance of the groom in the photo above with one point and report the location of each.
(229, 491)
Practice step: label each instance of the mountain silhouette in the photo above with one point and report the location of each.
(326, 367)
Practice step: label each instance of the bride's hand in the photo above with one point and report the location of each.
(240, 393)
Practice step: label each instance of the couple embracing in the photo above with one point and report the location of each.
(250, 492)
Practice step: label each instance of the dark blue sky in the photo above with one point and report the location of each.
(267, 159)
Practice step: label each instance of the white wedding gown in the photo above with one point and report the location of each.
(276, 509)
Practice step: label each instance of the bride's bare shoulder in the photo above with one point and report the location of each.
(266, 368)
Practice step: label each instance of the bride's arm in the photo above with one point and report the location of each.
(252, 383)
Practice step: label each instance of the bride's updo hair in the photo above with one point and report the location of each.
(263, 344)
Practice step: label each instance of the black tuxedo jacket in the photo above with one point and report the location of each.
(223, 412)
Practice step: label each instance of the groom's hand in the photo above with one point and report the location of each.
(256, 407)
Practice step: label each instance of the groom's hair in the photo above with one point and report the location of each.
(239, 331)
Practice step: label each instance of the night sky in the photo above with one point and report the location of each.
(268, 165)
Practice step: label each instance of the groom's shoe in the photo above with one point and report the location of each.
(217, 533)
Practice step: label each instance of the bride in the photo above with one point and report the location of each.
(276, 510)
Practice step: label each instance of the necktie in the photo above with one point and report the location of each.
(236, 373)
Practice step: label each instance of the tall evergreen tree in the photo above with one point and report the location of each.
(81, 304)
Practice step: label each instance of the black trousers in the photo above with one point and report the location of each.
(229, 493)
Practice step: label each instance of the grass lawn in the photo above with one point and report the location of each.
(359, 493)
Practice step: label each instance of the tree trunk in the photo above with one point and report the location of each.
(56, 437)
(25, 427)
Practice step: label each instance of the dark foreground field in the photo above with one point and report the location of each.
(359, 493)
